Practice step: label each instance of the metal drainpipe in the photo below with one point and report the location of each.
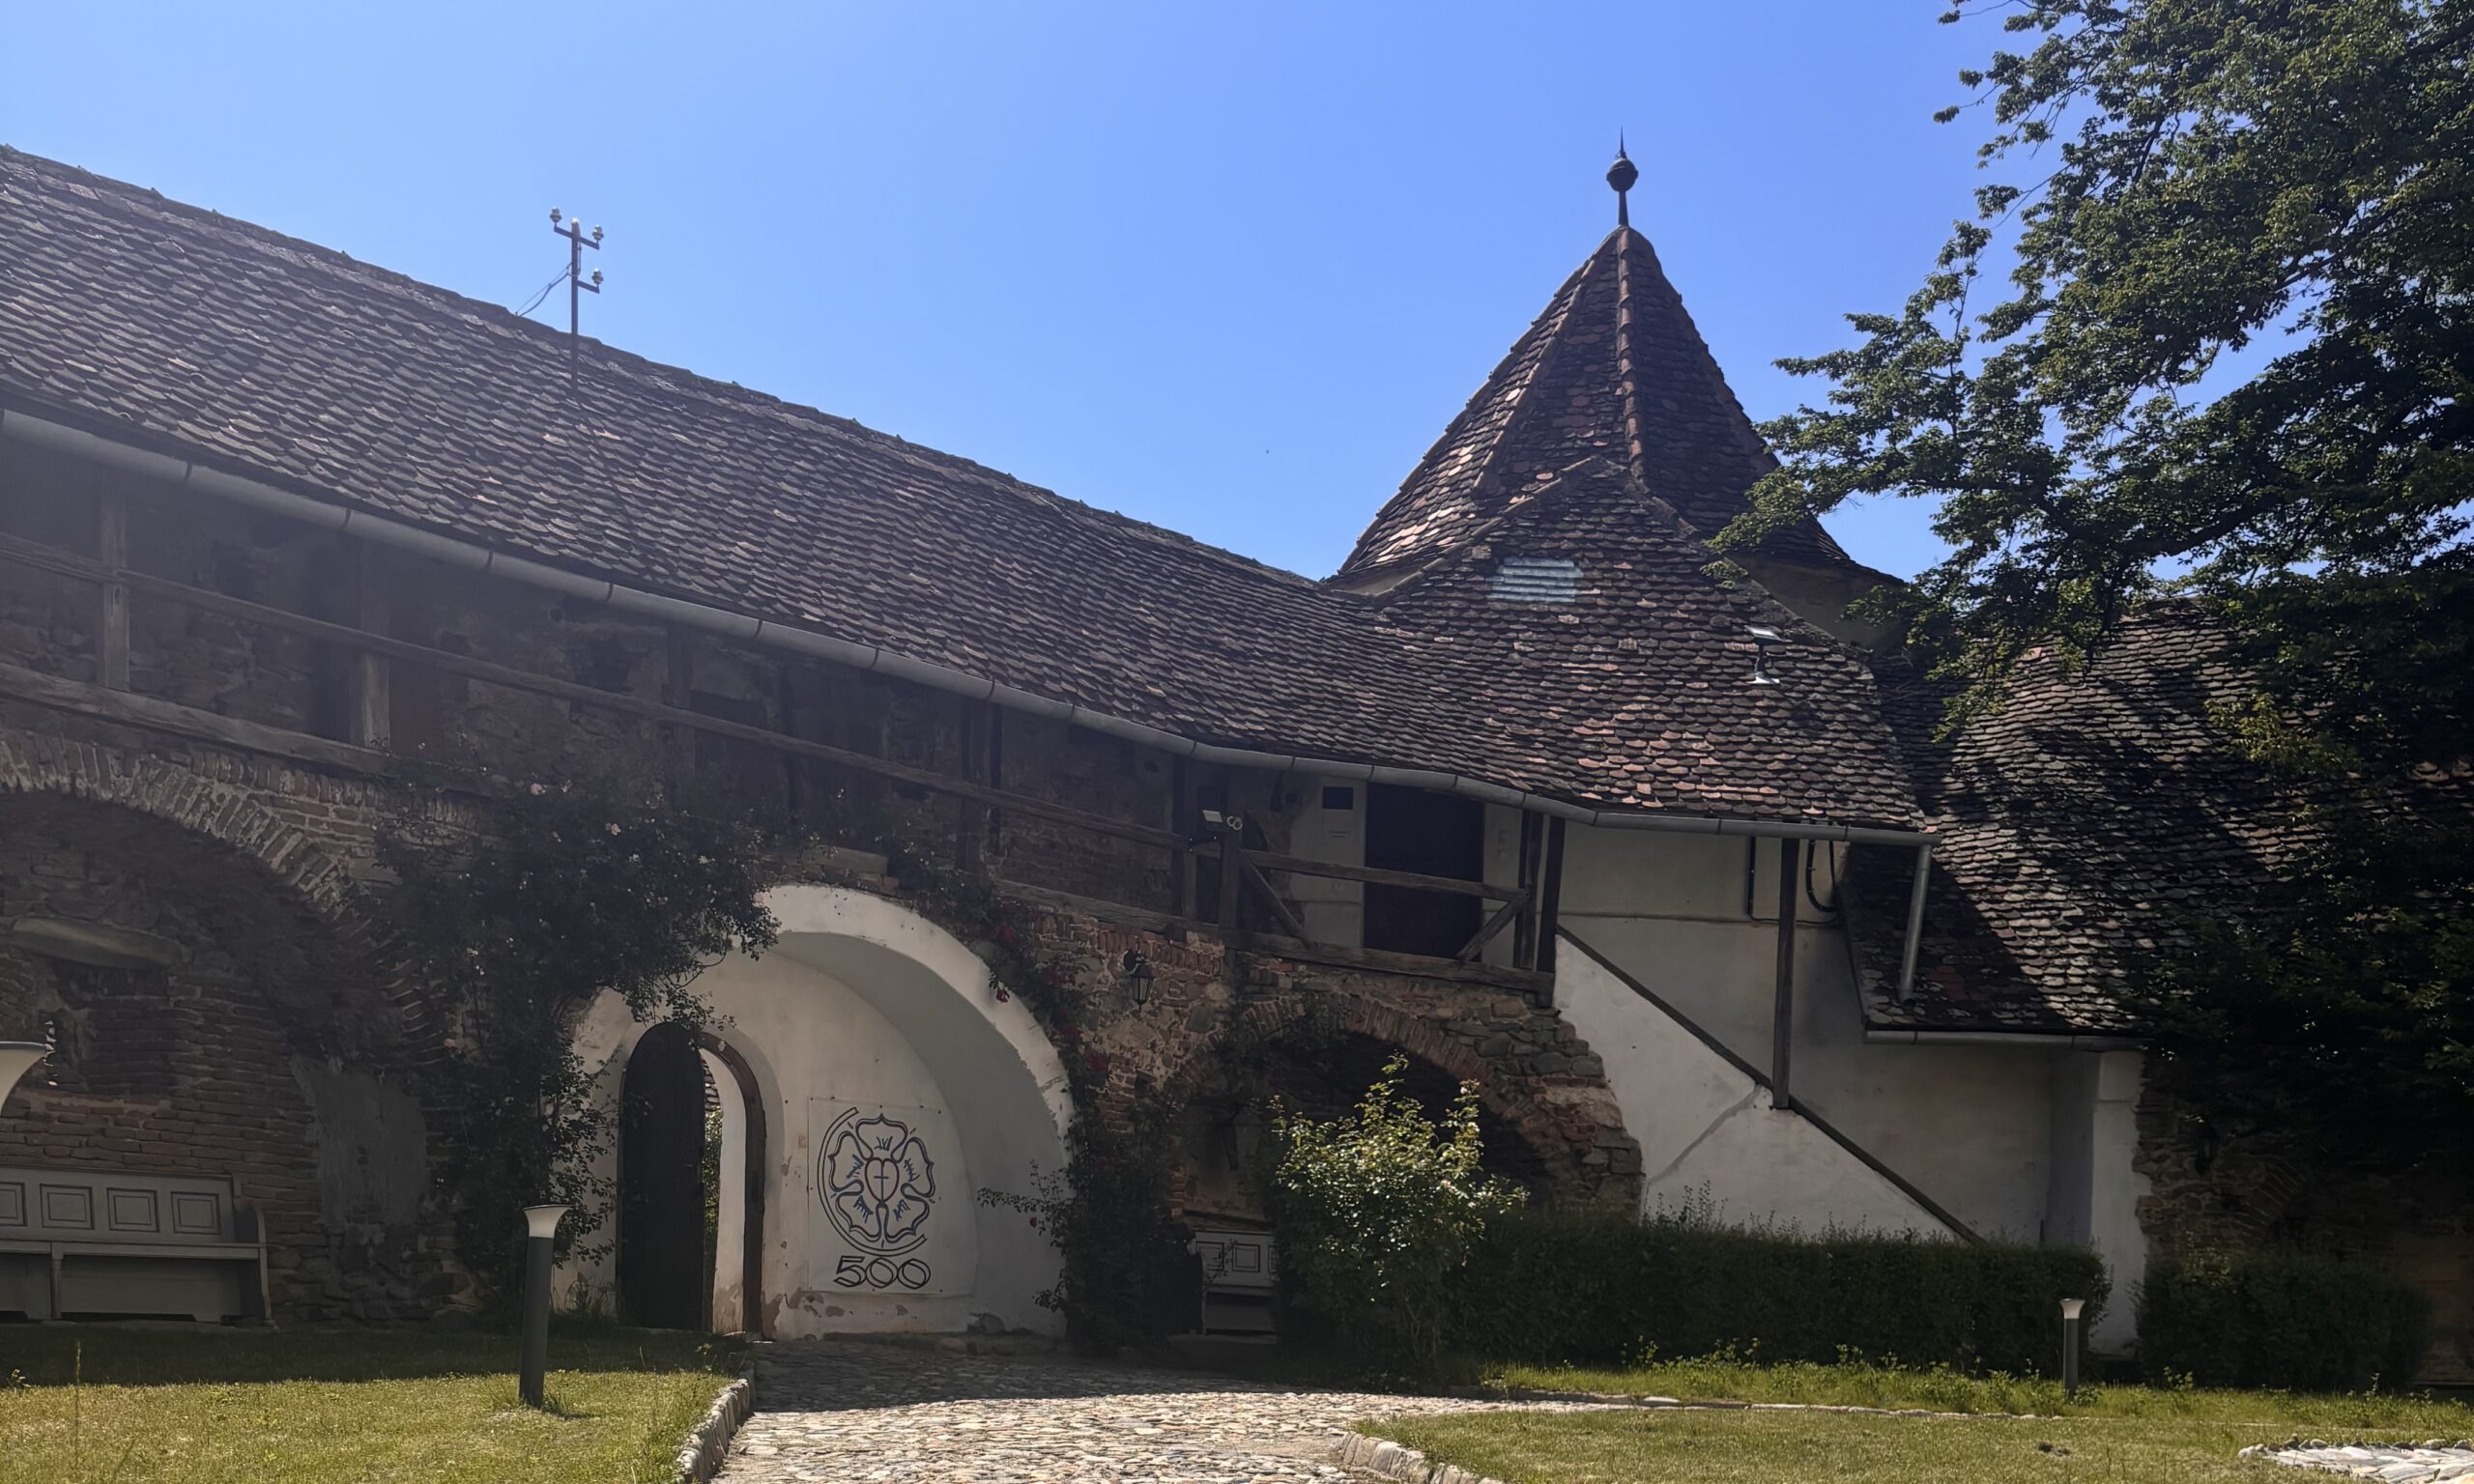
(1782, 1004)
(1915, 919)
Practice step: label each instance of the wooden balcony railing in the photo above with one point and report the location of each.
(1529, 905)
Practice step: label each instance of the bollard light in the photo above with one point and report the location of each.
(541, 1234)
(2071, 1309)
(17, 1059)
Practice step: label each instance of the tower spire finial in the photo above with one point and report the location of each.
(1621, 175)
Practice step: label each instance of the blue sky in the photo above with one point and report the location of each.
(1229, 268)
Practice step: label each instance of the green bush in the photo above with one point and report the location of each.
(1378, 1214)
(2282, 1318)
(1560, 1288)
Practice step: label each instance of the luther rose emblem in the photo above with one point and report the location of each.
(877, 1183)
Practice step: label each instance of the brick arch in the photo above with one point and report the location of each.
(225, 812)
(1553, 1139)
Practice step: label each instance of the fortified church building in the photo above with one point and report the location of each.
(1664, 860)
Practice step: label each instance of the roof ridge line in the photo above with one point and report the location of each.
(1536, 377)
(654, 376)
(1627, 382)
(1568, 296)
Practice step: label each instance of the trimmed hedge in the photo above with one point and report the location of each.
(1556, 1288)
(2282, 1318)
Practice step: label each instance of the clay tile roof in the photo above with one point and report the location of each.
(1615, 368)
(271, 358)
(1641, 682)
(2086, 822)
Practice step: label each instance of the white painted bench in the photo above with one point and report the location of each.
(1240, 1270)
(109, 1242)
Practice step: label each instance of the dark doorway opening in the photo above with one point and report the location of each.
(665, 1260)
(1434, 834)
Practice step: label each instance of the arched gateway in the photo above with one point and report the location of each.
(868, 1079)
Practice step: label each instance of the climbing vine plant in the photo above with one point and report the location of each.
(568, 888)
(1122, 1259)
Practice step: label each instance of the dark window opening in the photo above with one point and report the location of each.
(110, 1036)
(1434, 834)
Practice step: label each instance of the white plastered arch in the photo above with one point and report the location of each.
(866, 1000)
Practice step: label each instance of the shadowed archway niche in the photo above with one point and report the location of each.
(1318, 1054)
(219, 1011)
(875, 1083)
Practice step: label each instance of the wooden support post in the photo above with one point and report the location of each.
(677, 692)
(371, 700)
(1518, 908)
(1232, 873)
(790, 698)
(1524, 931)
(1287, 919)
(1185, 818)
(971, 816)
(112, 647)
(1550, 895)
(1782, 1009)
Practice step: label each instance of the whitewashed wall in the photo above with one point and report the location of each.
(864, 1016)
(1972, 1127)
(2095, 1191)
(1707, 1130)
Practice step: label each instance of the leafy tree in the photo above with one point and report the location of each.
(1377, 1211)
(2210, 330)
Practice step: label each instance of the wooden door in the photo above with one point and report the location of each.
(662, 1274)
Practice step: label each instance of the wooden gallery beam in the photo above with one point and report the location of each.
(1239, 869)
(69, 564)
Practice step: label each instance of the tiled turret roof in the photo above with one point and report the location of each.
(1613, 368)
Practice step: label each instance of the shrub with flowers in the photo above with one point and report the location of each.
(1377, 1211)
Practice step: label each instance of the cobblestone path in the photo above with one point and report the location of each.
(858, 1413)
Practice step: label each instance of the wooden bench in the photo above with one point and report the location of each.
(1240, 1270)
(117, 1245)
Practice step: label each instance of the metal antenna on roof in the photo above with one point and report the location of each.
(1621, 175)
(577, 285)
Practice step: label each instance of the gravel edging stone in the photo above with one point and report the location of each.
(708, 1442)
(1392, 1461)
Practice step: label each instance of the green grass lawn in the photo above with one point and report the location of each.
(96, 1405)
(2114, 1433)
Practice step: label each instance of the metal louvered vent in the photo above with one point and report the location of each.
(1535, 580)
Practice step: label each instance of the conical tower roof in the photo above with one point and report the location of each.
(1613, 368)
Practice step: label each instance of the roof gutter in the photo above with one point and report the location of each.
(2055, 1041)
(326, 515)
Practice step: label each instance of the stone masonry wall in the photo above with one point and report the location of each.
(2215, 1191)
(266, 1046)
(278, 1046)
(1535, 1073)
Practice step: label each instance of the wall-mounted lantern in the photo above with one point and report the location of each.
(1138, 978)
(17, 1059)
